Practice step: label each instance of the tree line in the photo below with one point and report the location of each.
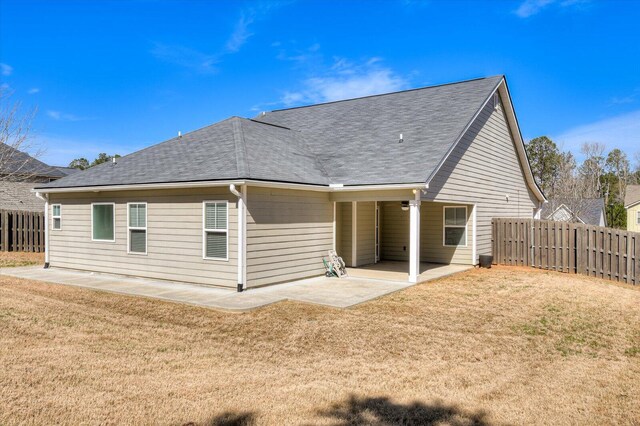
(83, 164)
(599, 175)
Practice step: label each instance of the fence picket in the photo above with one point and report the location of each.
(566, 247)
(21, 231)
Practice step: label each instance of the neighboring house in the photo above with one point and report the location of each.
(590, 211)
(632, 204)
(409, 176)
(19, 173)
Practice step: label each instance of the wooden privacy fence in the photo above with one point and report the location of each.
(567, 247)
(21, 231)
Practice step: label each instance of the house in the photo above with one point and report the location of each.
(19, 173)
(632, 205)
(411, 176)
(590, 211)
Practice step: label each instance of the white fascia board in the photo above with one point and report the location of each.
(180, 185)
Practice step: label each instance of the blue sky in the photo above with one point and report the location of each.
(116, 76)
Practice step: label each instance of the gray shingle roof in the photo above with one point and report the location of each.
(17, 163)
(18, 196)
(632, 196)
(348, 142)
(589, 210)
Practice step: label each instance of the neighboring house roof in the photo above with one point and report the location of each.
(66, 170)
(590, 211)
(351, 142)
(18, 196)
(632, 196)
(18, 163)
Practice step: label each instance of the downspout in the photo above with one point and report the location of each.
(242, 235)
(45, 198)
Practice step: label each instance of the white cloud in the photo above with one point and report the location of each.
(345, 80)
(5, 69)
(33, 90)
(63, 116)
(185, 57)
(240, 33)
(622, 131)
(532, 7)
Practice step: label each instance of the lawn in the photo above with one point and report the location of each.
(499, 346)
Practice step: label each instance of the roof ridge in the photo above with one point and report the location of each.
(390, 93)
(242, 165)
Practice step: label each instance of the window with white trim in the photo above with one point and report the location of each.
(215, 233)
(137, 228)
(103, 222)
(455, 226)
(56, 214)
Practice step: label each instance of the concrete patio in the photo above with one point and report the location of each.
(338, 293)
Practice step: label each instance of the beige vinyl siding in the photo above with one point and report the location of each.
(344, 234)
(174, 236)
(365, 234)
(632, 218)
(482, 170)
(432, 248)
(395, 234)
(288, 234)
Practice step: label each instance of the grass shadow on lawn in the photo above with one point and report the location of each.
(381, 411)
(229, 418)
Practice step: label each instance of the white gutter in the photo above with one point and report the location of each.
(45, 198)
(242, 235)
(220, 183)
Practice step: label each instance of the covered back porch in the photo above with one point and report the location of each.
(401, 237)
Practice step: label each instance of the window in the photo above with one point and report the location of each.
(103, 222)
(137, 228)
(638, 218)
(57, 216)
(455, 226)
(215, 232)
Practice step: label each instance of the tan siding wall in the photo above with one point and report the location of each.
(344, 233)
(395, 235)
(174, 236)
(432, 248)
(482, 169)
(288, 234)
(366, 233)
(394, 231)
(632, 218)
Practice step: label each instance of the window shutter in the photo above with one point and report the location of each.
(138, 241)
(216, 245)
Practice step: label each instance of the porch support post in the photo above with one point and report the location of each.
(414, 238)
(354, 233)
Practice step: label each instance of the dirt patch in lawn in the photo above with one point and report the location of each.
(12, 259)
(492, 346)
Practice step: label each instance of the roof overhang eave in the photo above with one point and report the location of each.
(220, 183)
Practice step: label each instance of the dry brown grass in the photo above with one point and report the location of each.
(484, 347)
(11, 259)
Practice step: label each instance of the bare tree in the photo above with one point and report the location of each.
(592, 169)
(618, 165)
(570, 186)
(15, 141)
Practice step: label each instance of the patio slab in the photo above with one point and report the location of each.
(334, 292)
